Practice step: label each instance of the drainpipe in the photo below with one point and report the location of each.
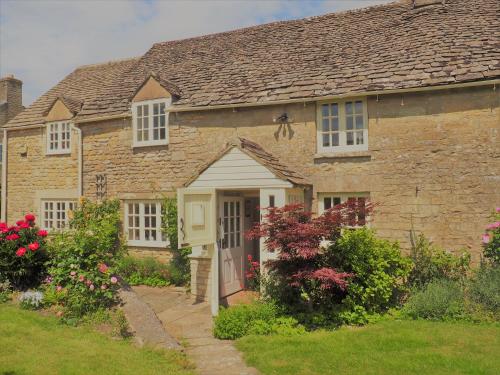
(4, 176)
(80, 160)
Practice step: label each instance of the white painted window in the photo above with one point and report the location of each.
(342, 126)
(329, 200)
(150, 122)
(143, 224)
(56, 213)
(59, 137)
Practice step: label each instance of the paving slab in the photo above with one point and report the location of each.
(190, 322)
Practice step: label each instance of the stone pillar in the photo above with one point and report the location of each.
(201, 277)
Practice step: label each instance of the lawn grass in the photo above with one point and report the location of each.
(388, 347)
(35, 344)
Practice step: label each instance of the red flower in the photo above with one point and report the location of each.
(42, 233)
(19, 222)
(29, 217)
(34, 246)
(249, 257)
(21, 251)
(24, 225)
(12, 237)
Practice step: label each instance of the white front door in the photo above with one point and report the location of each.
(231, 256)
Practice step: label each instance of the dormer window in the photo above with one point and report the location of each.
(59, 137)
(150, 122)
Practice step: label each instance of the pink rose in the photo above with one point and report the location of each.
(114, 280)
(34, 246)
(59, 288)
(81, 278)
(103, 268)
(486, 238)
(91, 287)
(72, 273)
(498, 209)
(21, 251)
(42, 233)
(29, 217)
(104, 287)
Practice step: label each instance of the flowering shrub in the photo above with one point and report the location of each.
(22, 253)
(491, 239)
(31, 300)
(300, 273)
(82, 272)
(253, 274)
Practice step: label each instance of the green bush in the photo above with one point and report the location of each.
(237, 321)
(84, 259)
(144, 271)
(378, 270)
(5, 291)
(484, 289)
(491, 239)
(431, 263)
(440, 299)
(180, 273)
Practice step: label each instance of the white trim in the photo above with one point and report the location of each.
(67, 207)
(150, 103)
(142, 242)
(342, 132)
(59, 150)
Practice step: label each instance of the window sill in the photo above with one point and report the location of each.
(342, 155)
(65, 152)
(153, 244)
(149, 144)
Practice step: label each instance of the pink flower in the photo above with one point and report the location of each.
(72, 273)
(88, 282)
(103, 268)
(104, 287)
(12, 237)
(486, 238)
(114, 280)
(249, 257)
(498, 209)
(59, 288)
(42, 233)
(91, 287)
(81, 278)
(21, 251)
(29, 217)
(34, 246)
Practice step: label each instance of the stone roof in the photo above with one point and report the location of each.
(262, 157)
(383, 47)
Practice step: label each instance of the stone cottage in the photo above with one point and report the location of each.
(396, 103)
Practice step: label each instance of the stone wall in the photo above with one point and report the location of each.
(201, 280)
(433, 162)
(11, 99)
(32, 175)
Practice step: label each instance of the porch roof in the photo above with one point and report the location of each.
(264, 158)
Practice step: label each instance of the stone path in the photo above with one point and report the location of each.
(190, 322)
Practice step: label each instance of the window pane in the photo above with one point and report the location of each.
(359, 122)
(348, 108)
(335, 139)
(326, 125)
(327, 203)
(335, 109)
(349, 123)
(359, 107)
(350, 138)
(359, 138)
(326, 140)
(335, 123)
(336, 201)
(139, 110)
(156, 108)
(324, 110)
(146, 110)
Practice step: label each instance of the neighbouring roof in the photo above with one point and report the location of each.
(383, 47)
(262, 157)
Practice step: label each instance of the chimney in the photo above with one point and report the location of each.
(11, 98)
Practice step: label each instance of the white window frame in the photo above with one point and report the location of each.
(142, 241)
(63, 141)
(343, 198)
(150, 104)
(61, 223)
(342, 147)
